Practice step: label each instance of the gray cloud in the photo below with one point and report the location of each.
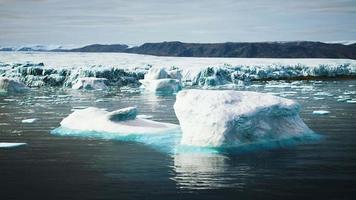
(137, 21)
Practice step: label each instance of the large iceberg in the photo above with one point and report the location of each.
(12, 85)
(121, 122)
(211, 118)
(160, 81)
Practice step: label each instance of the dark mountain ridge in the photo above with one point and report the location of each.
(303, 49)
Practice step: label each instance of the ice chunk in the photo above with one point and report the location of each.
(124, 114)
(90, 83)
(12, 85)
(28, 121)
(168, 85)
(230, 118)
(157, 80)
(321, 112)
(155, 73)
(10, 144)
(99, 120)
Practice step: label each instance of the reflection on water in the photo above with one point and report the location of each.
(208, 171)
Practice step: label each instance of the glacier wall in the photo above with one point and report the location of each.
(64, 69)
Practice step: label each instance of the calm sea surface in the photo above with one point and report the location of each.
(67, 167)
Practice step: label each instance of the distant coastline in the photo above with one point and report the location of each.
(295, 49)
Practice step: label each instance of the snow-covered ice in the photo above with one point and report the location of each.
(29, 121)
(100, 120)
(211, 118)
(321, 112)
(10, 144)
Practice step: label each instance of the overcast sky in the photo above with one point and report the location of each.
(137, 21)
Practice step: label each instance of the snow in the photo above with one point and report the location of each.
(11, 85)
(29, 121)
(321, 112)
(211, 118)
(90, 83)
(100, 120)
(10, 144)
(35, 68)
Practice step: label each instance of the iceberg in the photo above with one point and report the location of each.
(12, 85)
(159, 81)
(211, 118)
(121, 122)
(90, 83)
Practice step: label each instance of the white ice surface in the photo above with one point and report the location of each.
(211, 118)
(98, 120)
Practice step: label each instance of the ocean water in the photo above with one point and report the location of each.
(52, 166)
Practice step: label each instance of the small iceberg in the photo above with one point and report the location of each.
(321, 112)
(158, 80)
(225, 119)
(29, 121)
(90, 83)
(10, 144)
(122, 122)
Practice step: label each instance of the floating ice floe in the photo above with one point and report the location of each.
(90, 83)
(29, 121)
(160, 81)
(120, 122)
(233, 118)
(321, 112)
(10, 144)
(12, 85)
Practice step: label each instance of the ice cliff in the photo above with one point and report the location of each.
(64, 69)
